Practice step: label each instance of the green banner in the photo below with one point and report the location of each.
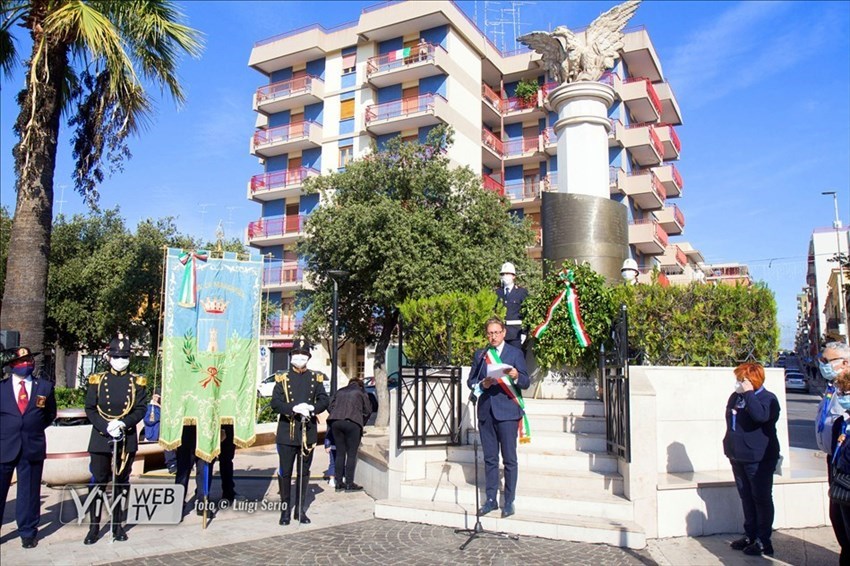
(210, 347)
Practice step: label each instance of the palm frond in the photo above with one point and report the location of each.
(11, 12)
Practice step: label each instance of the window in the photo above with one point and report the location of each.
(346, 109)
(346, 154)
(349, 62)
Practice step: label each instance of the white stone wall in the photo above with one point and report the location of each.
(463, 91)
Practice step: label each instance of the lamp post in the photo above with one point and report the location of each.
(334, 274)
(842, 306)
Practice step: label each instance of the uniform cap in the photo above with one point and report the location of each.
(12, 355)
(301, 346)
(119, 347)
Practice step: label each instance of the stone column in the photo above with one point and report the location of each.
(580, 221)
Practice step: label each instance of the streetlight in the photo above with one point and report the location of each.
(842, 307)
(334, 274)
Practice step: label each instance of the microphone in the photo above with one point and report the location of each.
(474, 372)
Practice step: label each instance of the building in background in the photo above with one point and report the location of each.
(401, 69)
(824, 245)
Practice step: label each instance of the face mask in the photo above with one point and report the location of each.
(827, 371)
(299, 360)
(507, 280)
(739, 387)
(23, 370)
(119, 364)
(844, 401)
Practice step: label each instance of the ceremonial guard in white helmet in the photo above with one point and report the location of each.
(512, 297)
(115, 402)
(298, 396)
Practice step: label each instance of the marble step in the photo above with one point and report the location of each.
(564, 407)
(559, 526)
(531, 456)
(584, 441)
(566, 423)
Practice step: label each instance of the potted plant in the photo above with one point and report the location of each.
(526, 91)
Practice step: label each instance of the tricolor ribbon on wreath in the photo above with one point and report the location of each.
(189, 284)
(570, 295)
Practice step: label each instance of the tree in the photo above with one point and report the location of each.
(88, 60)
(5, 228)
(404, 224)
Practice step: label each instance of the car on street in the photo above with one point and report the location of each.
(266, 386)
(796, 381)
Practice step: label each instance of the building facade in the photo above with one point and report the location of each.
(824, 244)
(328, 95)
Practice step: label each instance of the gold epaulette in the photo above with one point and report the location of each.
(281, 376)
(141, 380)
(320, 377)
(95, 378)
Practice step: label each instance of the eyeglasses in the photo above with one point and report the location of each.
(496, 333)
(828, 361)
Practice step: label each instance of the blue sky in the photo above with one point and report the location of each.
(764, 90)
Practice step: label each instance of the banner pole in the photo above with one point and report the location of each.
(159, 322)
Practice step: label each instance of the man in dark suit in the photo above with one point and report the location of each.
(298, 396)
(116, 401)
(512, 297)
(499, 412)
(27, 408)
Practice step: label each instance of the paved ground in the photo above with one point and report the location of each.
(344, 532)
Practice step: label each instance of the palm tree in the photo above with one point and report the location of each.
(88, 61)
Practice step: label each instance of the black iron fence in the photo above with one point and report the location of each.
(429, 389)
(614, 367)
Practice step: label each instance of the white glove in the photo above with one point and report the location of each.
(301, 409)
(115, 428)
(311, 408)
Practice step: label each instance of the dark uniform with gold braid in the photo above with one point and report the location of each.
(295, 441)
(113, 396)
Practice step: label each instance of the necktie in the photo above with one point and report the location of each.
(23, 398)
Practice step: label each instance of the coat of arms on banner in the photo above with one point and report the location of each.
(209, 344)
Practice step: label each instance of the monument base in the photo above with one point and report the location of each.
(585, 228)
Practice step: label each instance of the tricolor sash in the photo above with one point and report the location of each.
(507, 384)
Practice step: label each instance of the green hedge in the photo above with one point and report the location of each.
(426, 325)
(67, 398)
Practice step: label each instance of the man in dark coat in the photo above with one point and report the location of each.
(27, 408)
(512, 297)
(499, 412)
(298, 396)
(116, 401)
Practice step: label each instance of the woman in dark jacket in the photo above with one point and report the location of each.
(752, 447)
(350, 409)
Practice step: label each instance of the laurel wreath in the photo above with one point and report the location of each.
(189, 351)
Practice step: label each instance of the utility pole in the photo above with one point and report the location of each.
(843, 315)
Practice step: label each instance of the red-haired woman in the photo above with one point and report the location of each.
(753, 450)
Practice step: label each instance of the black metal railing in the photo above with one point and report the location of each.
(614, 367)
(429, 406)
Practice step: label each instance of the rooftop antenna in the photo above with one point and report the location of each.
(203, 212)
(61, 200)
(495, 27)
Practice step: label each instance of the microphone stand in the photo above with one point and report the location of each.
(478, 529)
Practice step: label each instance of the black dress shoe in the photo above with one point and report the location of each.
(353, 487)
(757, 548)
(508, 510)
(118, 533)
(340, 486)
(92, 535)
(741, 543)
(488, 506)
(304, 519)
(29, 542)
(284, 518)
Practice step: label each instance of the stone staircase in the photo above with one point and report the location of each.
(568, 486)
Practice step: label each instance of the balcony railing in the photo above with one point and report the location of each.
(492, 97)
(653, 137)
(678, 216)
(645, 276)
(680, 256)
(402, 57)
(650, 91)
(283, 327)
(659, 232)
(521, 146)
(491, 184)
(282, 273)
(674, 137)
(655, 182)
(523, 190)
(490, 140)
(286, 88)
(285, 133)
(613, 176)
(402, 107)
(515, 104)
(276, 226)
(549, 136)
(677, 177)
(281, 179)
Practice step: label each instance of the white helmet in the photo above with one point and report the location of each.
(629, 271)
(508, 267)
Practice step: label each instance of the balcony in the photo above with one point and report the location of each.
(645, 190)
(406, 65)
(406, 114)
(671, 219)
(648, 237)
(641, 99)
(615, 131)
(642, 142)
(550, 141)
(289, 94)
(670, 141)
(493, 149)
(282, 276)
(285, 327)
(286, 139)
(670, 113)
(640, 56)
(275, 230)
(515, 109)
(279, 184)
(535, 250)
(491, 106)
(670, 178)
(616, 179)
(645, 277)
(523, 150)
(491, 184)
(673, 260)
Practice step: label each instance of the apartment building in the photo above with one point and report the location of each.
(824, 244)
(401, 69)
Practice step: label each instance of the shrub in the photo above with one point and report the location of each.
(265, 414)
(526, 90)
(67, 397)
(426, 323)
